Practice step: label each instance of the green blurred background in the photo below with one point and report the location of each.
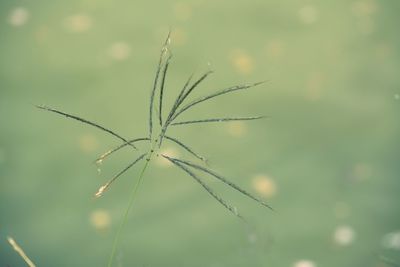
(327, 159)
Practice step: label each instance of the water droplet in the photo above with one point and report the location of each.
(397, 96)
(235, 210)
(98, 170)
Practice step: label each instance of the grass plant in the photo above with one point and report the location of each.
(158, 133)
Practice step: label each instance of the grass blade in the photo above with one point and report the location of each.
(172, 111)
(218, 93)
(162, 89)
(176, 103)
(85, 121)
(179, 100)
(164, 50)
(107, 185)
(219, 120)
(206, 187)
(224, 180)
(111, 151)
(188, 149)
(187, 93)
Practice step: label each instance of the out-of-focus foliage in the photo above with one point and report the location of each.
(327, 160)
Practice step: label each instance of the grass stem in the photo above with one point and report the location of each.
(130, 204)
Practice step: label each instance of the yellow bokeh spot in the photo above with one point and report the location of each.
(88, 143)
(120, 51)
(236, 128)
(100, 219)
(308, 14)
(178, 36)
(314, 86)
(78, 23)
(241, 61)
(361, 171)
(364, 8)
(182, 11)
(264, 185)
(275, 49)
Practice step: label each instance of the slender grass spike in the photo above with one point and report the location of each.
(154, 141)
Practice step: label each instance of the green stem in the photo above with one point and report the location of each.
(131, 200)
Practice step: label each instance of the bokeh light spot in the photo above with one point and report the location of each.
(88, 143)
(364, 8)
(100, 219)
(182, 11)
(18, 17)
(314, 86)
(308, 14)
(120, 51)
(236, 128)
(304, 263)
(344, 235)
(179, 36)
(361, 172)
(264, 185)
(391, 240)
(275, 49)
(78, 23)
(2, 155)
(241, 61)
(168, 151)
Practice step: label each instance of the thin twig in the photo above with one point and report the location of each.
(20, 251)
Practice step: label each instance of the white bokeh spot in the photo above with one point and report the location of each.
(304, 263)
(344, 235)
(18, 17)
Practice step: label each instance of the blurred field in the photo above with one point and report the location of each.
(327, 160)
